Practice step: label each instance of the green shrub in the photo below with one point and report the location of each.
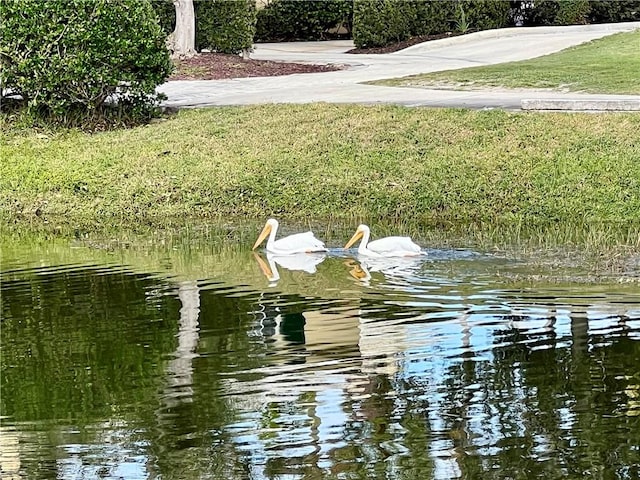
(287, 20)
(542, 12)
(572, 12)
(487, 14)
(381, 22)
(605, 11)
(434, 17)
(69, 59)
(226, 26)
(166, 12)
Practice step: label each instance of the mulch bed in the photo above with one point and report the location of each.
(220, 66)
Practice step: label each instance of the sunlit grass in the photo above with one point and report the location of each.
(607, 65)
(330, 161)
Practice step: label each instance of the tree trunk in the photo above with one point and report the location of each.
(181, 42)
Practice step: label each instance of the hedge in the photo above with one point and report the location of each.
(380, 22)
(606, 11)
(572, 12)
(288, 20)
(83, 61)
(226, 26)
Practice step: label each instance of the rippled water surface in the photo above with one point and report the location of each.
(188, 358)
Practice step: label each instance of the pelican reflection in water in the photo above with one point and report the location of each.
(296, 262)
(405, 268)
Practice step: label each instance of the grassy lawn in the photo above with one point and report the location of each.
(329, 161)
(607, 65)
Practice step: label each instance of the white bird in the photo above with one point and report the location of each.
(297, 243)
(383, 247)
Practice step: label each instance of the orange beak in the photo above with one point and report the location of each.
(355, 238)
(265, 232)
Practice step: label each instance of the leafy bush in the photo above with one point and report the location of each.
(569, 12)
(286, 20)
(166, 12)
(572, 12)
(434, 17)
(605, 11)
(226, 26)
(542, 12)
(381, 22)
(69, 59)
(487, 14)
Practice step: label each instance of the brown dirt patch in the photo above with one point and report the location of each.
(219, 66)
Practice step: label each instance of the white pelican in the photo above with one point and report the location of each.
(383, 247)
(297, 243)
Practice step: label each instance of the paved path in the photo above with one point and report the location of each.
(345, 86)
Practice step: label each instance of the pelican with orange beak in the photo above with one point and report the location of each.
(384, 247)
(298, 243)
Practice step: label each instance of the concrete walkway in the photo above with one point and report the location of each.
(345, 86)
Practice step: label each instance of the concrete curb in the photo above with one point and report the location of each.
(582, 105)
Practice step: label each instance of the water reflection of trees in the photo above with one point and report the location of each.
(527, 406)
(205, 382)
(549, 409)
(98, 374)
(66, 362)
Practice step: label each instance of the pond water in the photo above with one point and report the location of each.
(191, 357)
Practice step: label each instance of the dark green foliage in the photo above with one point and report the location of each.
(542, 13)
(67, 59)
(572, 12)
(380, 22)
(434, 17)
(226, 26)
(486, 14)
(166, 12)
(605, 11)
(287, 20)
